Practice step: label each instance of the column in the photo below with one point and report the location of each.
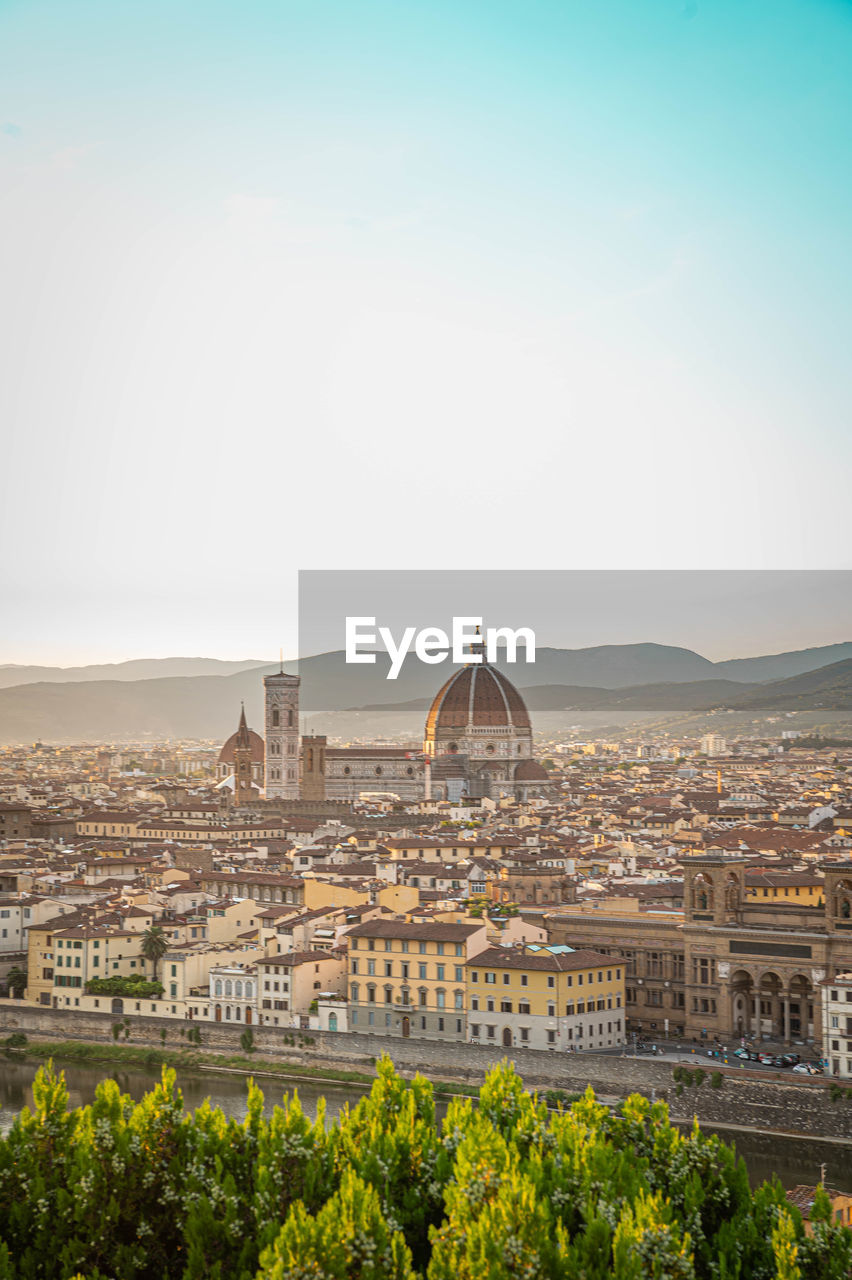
(755, 1021)
(786, 1017)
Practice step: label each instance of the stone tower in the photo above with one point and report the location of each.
(313, 768)
(282, 736)
(242, 763)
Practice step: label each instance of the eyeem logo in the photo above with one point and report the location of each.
(433, 645)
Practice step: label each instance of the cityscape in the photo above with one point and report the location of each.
(426, 660)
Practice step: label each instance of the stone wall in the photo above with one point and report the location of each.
(780, 1103)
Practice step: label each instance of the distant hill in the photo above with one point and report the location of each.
(208, 705)
(781, 666)
(135, 669)
(828, 687)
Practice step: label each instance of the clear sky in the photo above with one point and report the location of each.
(357, 285)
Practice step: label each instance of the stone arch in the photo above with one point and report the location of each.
(741, 986)
(702, 892)
(842, 903)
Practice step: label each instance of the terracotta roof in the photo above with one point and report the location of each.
(514, 958)
(479, 695)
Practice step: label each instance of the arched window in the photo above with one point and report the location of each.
(354, 992)
(290, 718)
(459, 999)
(238, 989)
(218, 987)
(440, 997)
(249, 991)
(371, 993)
(388, 995)
(276, 718)
(228, 1012)
(229, 990)
(422, 996)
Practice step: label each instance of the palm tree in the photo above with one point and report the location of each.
(154, 945)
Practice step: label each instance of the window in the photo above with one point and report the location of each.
(551, 981)
(525, 980)
(507, 978)
(524, 1009)
(491, 977)
(440, 975)
(505, 1006)
(474, 1030)
(525, 1035)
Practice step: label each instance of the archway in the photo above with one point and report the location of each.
(117, 1005)
(742, 1003)
(218, 1013)
(770, 1004)
(507, 1037)
(332, 1021)
(248, 1015)
(406, 1026)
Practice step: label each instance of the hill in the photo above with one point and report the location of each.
(136, 669)
(207, 706)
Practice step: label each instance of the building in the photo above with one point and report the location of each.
(713, 744)
(233, 993)
(837, 1024)
(408, 979)
(224, 766)
(545, 998)
(478, 723)
(281, 699)
(727, 966)
(290, 984)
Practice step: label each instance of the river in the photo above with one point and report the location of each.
(795, 1160)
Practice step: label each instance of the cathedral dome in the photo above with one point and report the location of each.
(480, 696)
(226, 755)
(531, 771)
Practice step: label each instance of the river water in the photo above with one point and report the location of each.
(795, 1160)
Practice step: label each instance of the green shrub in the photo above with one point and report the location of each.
(502, 1187)
(717, 1079)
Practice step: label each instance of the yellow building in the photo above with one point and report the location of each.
(91, 952)
(408, 979)
(545, 998)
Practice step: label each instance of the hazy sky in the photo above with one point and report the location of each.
(413, 285)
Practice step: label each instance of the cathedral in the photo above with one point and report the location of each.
(478, 742)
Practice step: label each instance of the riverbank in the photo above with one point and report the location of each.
(88, 1053)
(716, 1098)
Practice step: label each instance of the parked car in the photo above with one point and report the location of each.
(790, 1059)
(742, 1053)
(808, 1069)
(766, 1059)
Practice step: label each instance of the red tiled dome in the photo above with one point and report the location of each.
(478, 695)
(226, 755)
(531, 771)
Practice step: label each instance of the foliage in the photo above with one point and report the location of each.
(135, 986)
(717, 1080)
(503, 1188)
(16, 981)
(247, 1040)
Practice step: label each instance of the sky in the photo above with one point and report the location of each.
(436, 285)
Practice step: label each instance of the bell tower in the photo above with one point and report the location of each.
(281, 696)
(242, 763)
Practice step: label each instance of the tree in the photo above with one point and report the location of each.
(16, 980)
(348, 1239)
(154, 945)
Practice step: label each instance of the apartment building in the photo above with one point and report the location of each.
(545, 998)
(408, 979)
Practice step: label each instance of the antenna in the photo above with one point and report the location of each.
(281, 661)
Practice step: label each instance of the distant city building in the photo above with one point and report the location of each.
(713, 744)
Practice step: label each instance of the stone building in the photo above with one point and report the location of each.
(726, 966)
(281, 699)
